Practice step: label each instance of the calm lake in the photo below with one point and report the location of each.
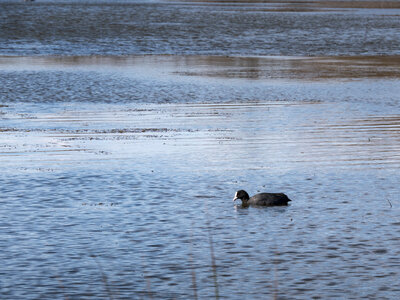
(126, 128)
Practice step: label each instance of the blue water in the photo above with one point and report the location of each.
(120, 156)
(128, 27)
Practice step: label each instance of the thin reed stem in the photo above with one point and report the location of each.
(213, 264)
(194, 284)
(103, 278)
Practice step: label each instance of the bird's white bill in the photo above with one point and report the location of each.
(235, 198)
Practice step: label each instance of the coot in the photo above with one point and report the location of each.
(262, 199)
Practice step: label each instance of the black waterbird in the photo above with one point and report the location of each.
(262, 199)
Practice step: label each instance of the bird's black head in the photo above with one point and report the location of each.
(242, 195)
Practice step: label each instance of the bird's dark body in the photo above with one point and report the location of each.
(262, 199)
(269, 199)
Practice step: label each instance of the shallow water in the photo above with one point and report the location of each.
(112, 185)
(118, 172)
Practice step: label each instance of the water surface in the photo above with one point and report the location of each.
(126, 128)
(129, 27)
(112, 184)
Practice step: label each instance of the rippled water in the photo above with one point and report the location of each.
(126, 27)
(118, 172)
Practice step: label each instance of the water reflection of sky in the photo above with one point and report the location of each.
(115, 169)
(172, 79)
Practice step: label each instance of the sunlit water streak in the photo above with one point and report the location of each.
(271, 134)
